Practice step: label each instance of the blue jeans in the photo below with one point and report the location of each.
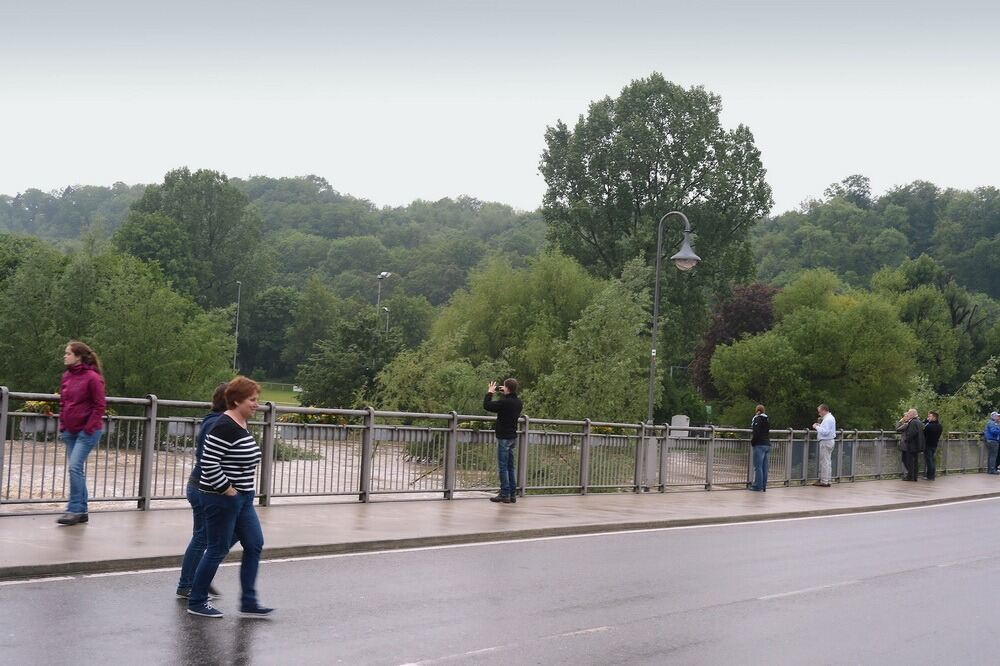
(505, 463)
(761, 453)
(199, 538)
(228, 519)
(992, 446)
(78, 446)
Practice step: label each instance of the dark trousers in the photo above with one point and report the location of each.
(228, 519)
(910, 459)
(929, 453)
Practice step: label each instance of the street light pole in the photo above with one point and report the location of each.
(236, 347)
(378, 299)
(386, 310)
(685, 260)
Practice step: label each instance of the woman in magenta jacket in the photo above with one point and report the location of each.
(81, 410)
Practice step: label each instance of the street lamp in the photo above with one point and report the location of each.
(381, 276)
(236, 347)
(386, 310)
(685, 260)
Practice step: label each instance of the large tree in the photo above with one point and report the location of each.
(656, 147)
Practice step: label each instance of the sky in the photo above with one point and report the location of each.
(404, 100)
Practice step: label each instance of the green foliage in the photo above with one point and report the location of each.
(968, 407)
(286, 451)
(656, 147)
(850, 351)
(597, 370)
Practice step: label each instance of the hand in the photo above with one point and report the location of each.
(230, 492)
(492, 387)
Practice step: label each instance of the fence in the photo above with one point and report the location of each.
(358, 455)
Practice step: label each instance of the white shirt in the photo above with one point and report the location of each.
(827, 428)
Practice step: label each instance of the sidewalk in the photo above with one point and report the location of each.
(33, 545)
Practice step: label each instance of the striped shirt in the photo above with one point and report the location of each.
(230, 458)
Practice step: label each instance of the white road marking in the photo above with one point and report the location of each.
(807, 590)
(35, 580)
(463, 655)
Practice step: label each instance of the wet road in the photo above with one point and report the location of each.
(900, 587)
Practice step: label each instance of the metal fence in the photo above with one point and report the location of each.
(147, 452)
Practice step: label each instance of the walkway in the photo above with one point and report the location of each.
(33, 545)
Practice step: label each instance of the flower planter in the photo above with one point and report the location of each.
(30, 425)
(180, 429)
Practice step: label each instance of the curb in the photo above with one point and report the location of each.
(345, 548)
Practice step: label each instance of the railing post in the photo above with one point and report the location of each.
(879, 448)
(585, 458)
(522, 458)
(710, 459)
(840, 456)
(944, 454)
(664, 456)
(788, 457)
(146, 458)
(640, 454)
(367, 440)
(4, 411)
(451, 457)
(267, 455)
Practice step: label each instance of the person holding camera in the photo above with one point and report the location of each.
(932, 434)
(508, 411)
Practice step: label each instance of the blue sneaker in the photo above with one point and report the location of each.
(205, 610)
(256, 611)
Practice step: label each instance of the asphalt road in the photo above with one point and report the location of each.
(901, 587)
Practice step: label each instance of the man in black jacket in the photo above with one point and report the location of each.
(760, 440)
(508, 411)
(932, 433)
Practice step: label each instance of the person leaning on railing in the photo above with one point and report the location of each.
(992, 436)
(760, 440)
(932, 434)
(826, 433)
(911, 442)
(508, 411)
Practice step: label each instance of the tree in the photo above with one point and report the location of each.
(212, 239)
(264, 335)
(856, 189)
(317, 310)
(849, 350)
(656, 147)
(599, 367)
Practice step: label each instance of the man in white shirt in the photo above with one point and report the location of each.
(826, 433)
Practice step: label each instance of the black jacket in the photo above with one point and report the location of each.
(932, 433)
(508, 411)
(761, 430)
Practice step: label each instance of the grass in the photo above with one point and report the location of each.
(279, 396)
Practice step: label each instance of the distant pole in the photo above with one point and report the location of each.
(236, 347)
(386, 319)
(378, 298)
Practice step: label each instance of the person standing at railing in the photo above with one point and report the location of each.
(992, 436)
(228, 466)
(826, 433)
(508, 411)
(81, 410)
(932, 434)
(760, 441)
(199, 538)
(911, 442)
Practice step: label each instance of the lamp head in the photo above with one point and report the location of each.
(383, 275)
(685, 259)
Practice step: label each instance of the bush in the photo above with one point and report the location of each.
(284, 452)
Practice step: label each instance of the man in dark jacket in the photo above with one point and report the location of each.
(911, 441)
(760, 441)
(932, 433)
(508, 411)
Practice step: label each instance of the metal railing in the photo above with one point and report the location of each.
(357, 455)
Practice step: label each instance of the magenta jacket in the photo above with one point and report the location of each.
(81, 399)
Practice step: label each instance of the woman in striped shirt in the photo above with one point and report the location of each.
(228, 470)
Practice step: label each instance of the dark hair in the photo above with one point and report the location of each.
(511, 384)
(934, 413)
(239, 389)
(86, 354)
(219, 398)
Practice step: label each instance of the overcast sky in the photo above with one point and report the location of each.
(394, 101)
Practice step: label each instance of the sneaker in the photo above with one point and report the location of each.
(512, 499)
(498, 498)
(72, 518)
(256, 611)
(185, 592)
(205, 610)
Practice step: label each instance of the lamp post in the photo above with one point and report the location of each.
(685, 260)
(381, 276)
(386, 310)
(236, 347)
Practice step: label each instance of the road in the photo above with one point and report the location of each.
(899, 587)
